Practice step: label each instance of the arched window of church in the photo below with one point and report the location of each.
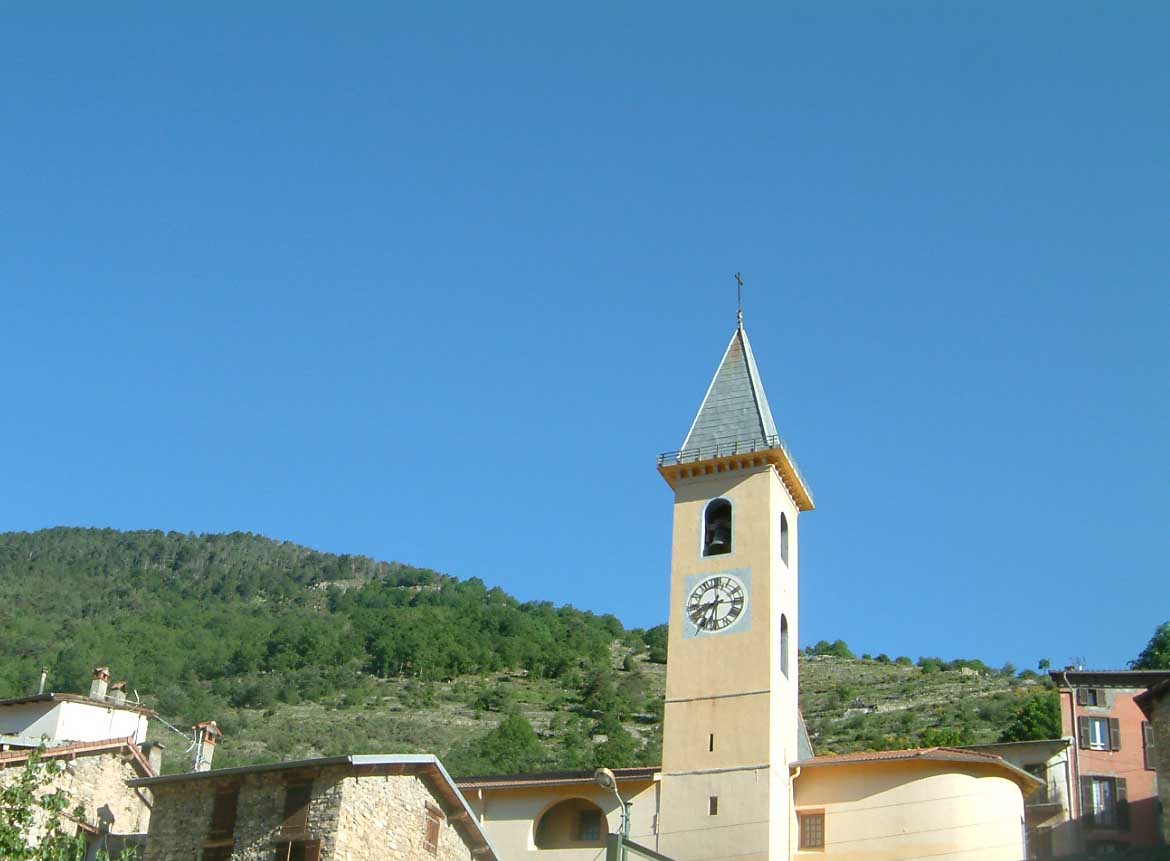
(784, 537)
(717, 528)
(784, 645)
(571, 824)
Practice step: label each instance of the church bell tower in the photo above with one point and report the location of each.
(732, 723)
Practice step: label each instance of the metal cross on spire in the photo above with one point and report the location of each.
(739, 297)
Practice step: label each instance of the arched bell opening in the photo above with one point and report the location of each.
(717, 527)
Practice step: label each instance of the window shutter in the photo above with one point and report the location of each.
(1148, 744)
(1087, 801)
(1122, 796)
(434, 819)
(1114, 734)
(1083, 731)
(296, 806)
(223, 813)
(1082, 696)
(313, 850)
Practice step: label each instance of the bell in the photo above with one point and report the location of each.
(720, 539)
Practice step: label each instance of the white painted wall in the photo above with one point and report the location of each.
(95, 722)
(30, 719)
(65, 721)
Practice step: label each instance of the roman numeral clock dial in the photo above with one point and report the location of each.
(716, 603)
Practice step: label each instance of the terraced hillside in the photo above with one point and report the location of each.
(299, 653)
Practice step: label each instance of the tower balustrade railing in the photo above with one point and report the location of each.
(729, 447)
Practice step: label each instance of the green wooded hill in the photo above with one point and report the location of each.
(298, 653)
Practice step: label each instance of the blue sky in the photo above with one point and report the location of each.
(437, 284)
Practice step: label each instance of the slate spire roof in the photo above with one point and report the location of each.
(735, 408)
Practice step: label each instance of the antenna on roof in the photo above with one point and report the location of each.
(739, 297)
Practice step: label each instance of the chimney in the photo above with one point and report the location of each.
(154, 754)
(207, 736)
(118, 693)
(101, 680)
(44, 676)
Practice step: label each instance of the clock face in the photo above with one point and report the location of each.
(716, 602)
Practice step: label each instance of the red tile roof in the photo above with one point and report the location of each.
(551, 778)
(947, 753)
(1027, 782)
(83, 748)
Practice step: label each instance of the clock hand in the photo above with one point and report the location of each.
(711, 610)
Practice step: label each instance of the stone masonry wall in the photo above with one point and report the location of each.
(384, 816)
(182, 816)
(355, 818)
(179, 822)
(98, 783)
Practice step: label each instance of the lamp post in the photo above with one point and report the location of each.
(604, 778)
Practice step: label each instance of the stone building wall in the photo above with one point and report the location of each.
(367, 818)
(96, 781)
(179, 822)
(385, 816)
(182, 815)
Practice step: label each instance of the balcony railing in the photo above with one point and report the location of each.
(1043, 795)
(730, 447)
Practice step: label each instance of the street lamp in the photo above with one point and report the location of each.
(604, 778)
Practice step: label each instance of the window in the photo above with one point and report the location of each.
(1099, 733)
(589, 825)
(223, 813)
(1148, 744)
(717, 528)
(570, 824)
(784, 645)
(783, 538)
(298, 850)
(434, 818)
(1092, 697)
(296, 807)
(713, 805)
(711, 743)
(812, 830)
(1104, 802)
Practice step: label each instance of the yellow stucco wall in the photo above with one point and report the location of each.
(891, 811)
(510, 817)
(730, 685)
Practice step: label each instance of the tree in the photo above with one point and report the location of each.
(837, 649)
(1156, 654)
(1044, 664)
(946, 736)
(619, 749)
(656, 640)
(510, 748)
(1038, 717)
(34, 824)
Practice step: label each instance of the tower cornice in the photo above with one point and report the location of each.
(676, 466)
